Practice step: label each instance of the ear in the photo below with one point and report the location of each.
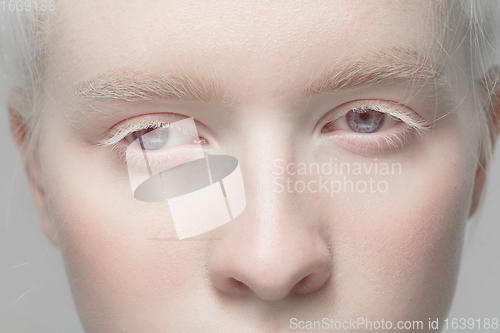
(20, 134)
(494, 126)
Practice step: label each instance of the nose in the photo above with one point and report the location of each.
(278, 246)
(269, 257)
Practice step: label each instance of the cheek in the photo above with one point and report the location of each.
(116, 249)
(410, 256)
(399, 251)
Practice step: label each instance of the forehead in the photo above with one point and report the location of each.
(252, 43)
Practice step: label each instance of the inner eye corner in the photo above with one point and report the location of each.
(201, 140)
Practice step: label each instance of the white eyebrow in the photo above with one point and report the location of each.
(390, 66)
(128, 85)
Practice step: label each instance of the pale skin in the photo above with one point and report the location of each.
(391, 256)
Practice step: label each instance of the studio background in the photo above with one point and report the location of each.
(34, 292)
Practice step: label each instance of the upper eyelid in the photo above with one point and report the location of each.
(414, 120)
(122, 130)
(121, 133)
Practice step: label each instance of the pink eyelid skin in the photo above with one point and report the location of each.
(407, 124)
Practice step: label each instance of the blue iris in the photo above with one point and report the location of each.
(365, 120)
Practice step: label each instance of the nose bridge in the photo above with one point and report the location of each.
(267, 144)
(263, 143)
(269, 251)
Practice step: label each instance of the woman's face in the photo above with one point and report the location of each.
(291, 89)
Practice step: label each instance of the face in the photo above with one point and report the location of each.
(355, 137)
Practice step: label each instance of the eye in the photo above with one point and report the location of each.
(365, 126)
(363, 120)
(151, 139)
(155, 147)
(163, 137)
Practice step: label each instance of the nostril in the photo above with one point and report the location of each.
(238, 285)
(303, 285)
(308, 284)
(235, 288)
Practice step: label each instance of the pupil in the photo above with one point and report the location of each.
(364, 116)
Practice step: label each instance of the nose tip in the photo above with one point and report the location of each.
(271, 275)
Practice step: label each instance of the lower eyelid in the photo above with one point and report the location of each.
(388, 140)
(159, 160)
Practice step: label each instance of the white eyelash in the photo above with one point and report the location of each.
(121, 133)
(419, 125)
